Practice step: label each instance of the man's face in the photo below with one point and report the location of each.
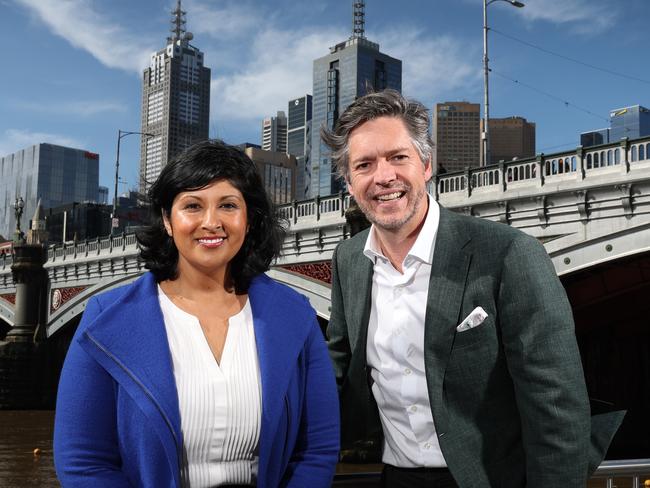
(387, 177)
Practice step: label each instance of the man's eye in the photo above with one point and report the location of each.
(359, 166)
(400, 157)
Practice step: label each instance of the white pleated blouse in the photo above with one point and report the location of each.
(220, 404)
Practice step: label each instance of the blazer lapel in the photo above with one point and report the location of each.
(359, 290)
(130, 341)
(451, 261)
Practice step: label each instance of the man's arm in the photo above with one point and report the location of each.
(544, 362)
(338, 342)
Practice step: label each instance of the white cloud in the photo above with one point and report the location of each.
(586, 15)
(85, 28)
(77, 108)
(13, 140)
(279, 68)
(220, 22)
(432, 66)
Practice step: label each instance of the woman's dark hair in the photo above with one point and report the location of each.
(195, 168)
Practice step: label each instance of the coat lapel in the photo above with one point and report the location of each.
(129, 340)
(451, 259)
(359, 290)
(278, 346)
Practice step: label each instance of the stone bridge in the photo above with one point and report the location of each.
(587, 206)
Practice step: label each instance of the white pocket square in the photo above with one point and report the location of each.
(474, 319)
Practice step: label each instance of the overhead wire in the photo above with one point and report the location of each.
(577, 61)
(550, 95)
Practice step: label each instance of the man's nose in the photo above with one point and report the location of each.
(385, 172)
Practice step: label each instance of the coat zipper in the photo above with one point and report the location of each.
(146, 392)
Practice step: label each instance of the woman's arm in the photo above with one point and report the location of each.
(85, 435)
(315, 455)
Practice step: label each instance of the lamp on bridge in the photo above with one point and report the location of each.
(120, 134)
(19, 206)
(485, 136)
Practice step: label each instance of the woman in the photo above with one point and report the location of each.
(203, 372)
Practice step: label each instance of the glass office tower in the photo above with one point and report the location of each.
(349, 71)
(299, 142)
(56, 175)
(630, 122)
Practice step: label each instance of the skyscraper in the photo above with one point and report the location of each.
(350, 70)
(53, 175)
(274, 133)
(594, 137)
(299, 142)
(510, 138)
(175, 101)
(278, 172)
(456, 134)
(630, 122)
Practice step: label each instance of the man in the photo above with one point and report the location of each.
(450, 335)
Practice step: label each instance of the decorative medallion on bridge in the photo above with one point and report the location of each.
(62, 295)
(10, 297)
(317, 271)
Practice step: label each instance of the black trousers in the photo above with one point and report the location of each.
(393, 477)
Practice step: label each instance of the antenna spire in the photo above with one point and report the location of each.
(178, 22)
(358, 19)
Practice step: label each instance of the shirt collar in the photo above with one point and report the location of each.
(422, 248)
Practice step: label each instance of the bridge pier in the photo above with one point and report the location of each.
(21, 353)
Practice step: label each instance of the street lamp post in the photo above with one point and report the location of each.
(120, 135)
(485, 137)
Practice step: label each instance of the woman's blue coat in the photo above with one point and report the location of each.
(117, 415)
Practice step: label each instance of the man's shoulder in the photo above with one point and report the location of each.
(352, 246)
(482, 231)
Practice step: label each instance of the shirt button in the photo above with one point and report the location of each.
(427, 446)
(413, 408)
(407, 371)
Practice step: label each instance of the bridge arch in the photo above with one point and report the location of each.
(73, 309)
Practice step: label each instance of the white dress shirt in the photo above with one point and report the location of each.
(220, 403)
(395, 349)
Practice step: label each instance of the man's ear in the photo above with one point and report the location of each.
(428, 169)
(349, 186)
(167, 223)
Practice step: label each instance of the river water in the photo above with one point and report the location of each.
(21, 432)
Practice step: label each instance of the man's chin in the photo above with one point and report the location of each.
(388, 223)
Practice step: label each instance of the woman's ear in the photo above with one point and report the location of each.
(167, 223)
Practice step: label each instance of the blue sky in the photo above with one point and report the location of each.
(71, 69)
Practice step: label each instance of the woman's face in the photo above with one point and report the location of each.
(208, 227)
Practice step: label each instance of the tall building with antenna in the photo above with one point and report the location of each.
(175, 101)
(351, 69)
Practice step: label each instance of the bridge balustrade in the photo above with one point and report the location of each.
(639, 152)
(560, 166)
(578, 164)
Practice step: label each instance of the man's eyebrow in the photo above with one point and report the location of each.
(373, 155)
(397, 150)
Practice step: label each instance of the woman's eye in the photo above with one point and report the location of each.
(191, 206)
(229, 205)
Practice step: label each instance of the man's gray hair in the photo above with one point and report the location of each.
(387, 103)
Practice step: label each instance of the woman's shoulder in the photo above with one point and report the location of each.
(278, 289)
(118, 293)
(272, 291)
